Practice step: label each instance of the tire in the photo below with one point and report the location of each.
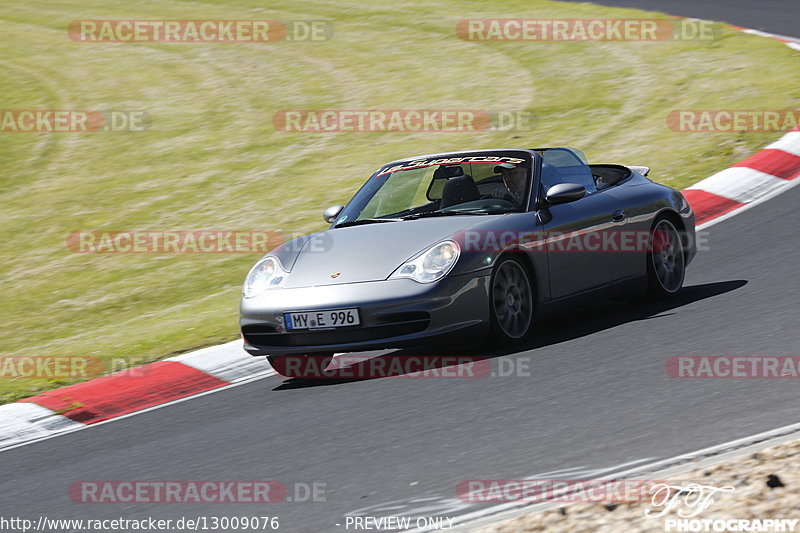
(511, 302)
(666, 260)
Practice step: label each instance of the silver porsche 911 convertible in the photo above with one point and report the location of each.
(438, 247)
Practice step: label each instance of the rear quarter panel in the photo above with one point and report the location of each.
(644, 201)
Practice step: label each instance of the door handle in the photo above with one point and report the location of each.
(618, 216)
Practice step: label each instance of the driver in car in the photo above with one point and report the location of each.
(514, 178)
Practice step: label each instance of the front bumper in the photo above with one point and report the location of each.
(393, 314)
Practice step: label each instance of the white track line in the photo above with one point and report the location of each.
(715, 184)
(675, 465)
(788, 143)
(740, 184)
(230, 363)
(775, 192)
(81, 427)
(209, 360)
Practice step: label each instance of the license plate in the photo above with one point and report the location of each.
(328, 318)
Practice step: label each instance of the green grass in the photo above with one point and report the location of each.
(212, 159)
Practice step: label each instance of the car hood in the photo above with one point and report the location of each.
(370, 252)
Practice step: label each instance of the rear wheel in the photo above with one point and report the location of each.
(666, 261)
(511, 301)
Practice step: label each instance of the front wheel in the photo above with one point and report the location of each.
(666, 261)
(511, 301)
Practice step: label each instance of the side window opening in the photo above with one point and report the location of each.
(561, 165)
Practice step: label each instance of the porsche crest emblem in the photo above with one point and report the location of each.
(336, 274)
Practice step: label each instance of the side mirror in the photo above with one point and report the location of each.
(564, 193)
(332, 212)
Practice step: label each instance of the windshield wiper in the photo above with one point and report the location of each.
(365, 221)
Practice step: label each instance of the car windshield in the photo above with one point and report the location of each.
(475, 183)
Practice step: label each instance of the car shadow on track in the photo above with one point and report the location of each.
(587, 320)
(609, 314)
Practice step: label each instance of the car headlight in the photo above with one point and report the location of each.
(268, 273)
(431, 265)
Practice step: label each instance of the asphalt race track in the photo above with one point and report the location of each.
(597, 397)
(775, 16)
